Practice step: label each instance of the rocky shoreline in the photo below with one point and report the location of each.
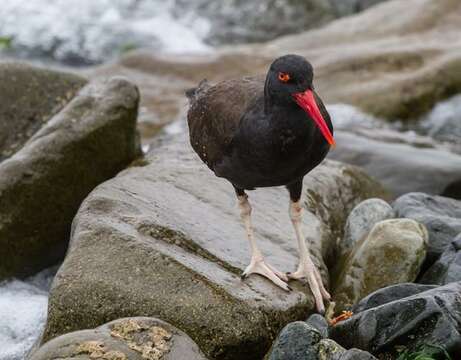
(152, 257)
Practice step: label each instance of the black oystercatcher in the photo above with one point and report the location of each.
(258, 133)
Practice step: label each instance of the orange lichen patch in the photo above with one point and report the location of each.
(95, 349)
(152, 342)
(344, 316)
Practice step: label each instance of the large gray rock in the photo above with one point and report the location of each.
(43, 184)
(392, 253)
(165, 239)
(440, 215)
(138, 338)
(430, 317)
(447, 268)
(29, 97)
(401, 164)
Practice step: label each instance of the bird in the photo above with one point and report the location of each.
(261, 132)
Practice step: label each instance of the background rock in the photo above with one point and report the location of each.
(401, 164)
(395, 67)
(165, 239)
(138, 338)
(29, 98)
(43, 184)
(440, 215)
(319, 323)
(392, 253)
(430, 317)
(447, 268)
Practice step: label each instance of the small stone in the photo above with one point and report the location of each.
(296, 341)
(392, 253)
(361, 220)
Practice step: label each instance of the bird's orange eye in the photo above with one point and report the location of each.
(284, 77)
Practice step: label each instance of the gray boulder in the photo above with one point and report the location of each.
(42, 185)
(447, 268)
(165, 239)
(319, 323)
(392, 253)
(430, 317)
(138, 338)
(440, 215)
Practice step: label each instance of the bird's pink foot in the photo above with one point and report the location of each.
(259, 266)
(308, 271)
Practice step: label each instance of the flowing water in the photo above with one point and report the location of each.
(23, 313)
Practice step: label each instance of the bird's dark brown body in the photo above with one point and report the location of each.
(249, 142)
(259, 132)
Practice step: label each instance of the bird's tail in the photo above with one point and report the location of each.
(193, 93)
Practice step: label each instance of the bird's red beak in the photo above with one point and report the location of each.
(306, 100)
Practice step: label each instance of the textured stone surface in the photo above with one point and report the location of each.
(392, 253)
(440, 215)
(318, 322)
(29, 97)
(138, 338)
(447, 268)
(165, 239)
(43, 184)
(430, 317)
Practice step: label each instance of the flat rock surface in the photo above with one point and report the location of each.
(165, 238)
(42, 185)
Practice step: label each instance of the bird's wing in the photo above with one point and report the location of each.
(215, 114)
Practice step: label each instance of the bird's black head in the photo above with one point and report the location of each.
(289, 83)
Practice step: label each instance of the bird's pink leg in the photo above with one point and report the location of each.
(306, 268)
(257, 263)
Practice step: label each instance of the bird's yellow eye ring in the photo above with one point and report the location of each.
(284, 77)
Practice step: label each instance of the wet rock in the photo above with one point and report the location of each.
(138, 338)
(296, 341)
(42, 185)
(29, 98)
(165, 239)
(392, 253)
(447, 268)
(319, 323)
(389, 294)
(403, 163)
(356, 354)
(361, 220)
(440, 215)
(430, 317)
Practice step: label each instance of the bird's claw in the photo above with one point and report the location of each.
(262, 268)
(308, 271)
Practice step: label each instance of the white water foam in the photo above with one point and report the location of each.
(23, 307)
(79, 31)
